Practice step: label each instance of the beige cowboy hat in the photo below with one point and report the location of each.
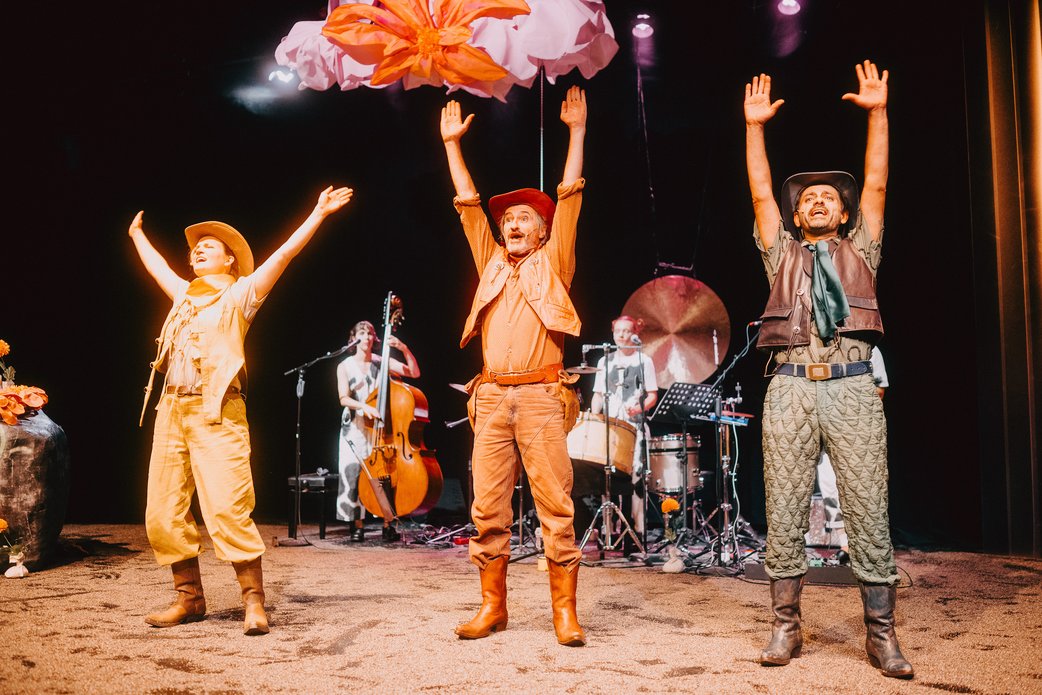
(228, 234)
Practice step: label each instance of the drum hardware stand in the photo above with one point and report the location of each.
(523, 522)
(608, 506)
(468, 527)
(727, 556)
(293, 540)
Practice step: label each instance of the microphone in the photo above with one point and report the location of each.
(754, 323)
(635, 339)
(600, 346)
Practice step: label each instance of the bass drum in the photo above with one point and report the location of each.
(666, 464)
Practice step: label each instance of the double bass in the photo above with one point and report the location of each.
(404, 476)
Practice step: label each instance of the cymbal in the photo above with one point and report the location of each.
(582, 369)
(681, 317)
(459, 387)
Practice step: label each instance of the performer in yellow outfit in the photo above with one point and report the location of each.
(202, 441)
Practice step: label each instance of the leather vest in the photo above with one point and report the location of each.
(541, 287)
(219, 337)
(787, 317)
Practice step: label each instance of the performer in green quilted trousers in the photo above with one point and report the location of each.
(821, 250)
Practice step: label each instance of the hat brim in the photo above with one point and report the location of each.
(840, 180)
(231, 238)
(533, 197)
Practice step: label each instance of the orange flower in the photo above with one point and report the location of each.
(32, 396)
(403, 38)
(670, 505)
(3, 525)
(5, 348)
(10, 409)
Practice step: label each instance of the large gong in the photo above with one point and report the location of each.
(686, 328)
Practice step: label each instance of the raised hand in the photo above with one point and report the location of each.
(135, 226)
(758, 106)
(330, 200)
(872, 90)
(573, 108)
(453, 126)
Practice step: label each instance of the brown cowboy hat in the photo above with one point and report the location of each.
(794, 185)
(539, 201)
(231, 237)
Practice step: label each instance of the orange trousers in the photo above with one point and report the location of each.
(190, 456)
(515, 425)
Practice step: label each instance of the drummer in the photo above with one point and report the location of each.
(632, 391)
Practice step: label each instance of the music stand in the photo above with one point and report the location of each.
(681, 404)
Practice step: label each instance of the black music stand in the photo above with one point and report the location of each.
(681, 404)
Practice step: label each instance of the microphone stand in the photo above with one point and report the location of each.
(300, 369)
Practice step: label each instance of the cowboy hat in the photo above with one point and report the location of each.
(539, 201)
(794, 185)
(228, 234)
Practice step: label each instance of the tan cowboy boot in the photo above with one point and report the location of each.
(189, 606)
(562, 594)
(251, 579)
(786, 636)
(492, 615)
(881, 641)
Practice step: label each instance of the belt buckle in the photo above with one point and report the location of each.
(819, 371)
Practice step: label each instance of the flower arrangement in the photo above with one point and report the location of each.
(13, 551)
(16, 401)
(669, 507)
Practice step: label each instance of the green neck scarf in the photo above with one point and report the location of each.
(830, 301)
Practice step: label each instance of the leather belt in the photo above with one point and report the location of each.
(819, 371)
(189, 391)
(544, 375)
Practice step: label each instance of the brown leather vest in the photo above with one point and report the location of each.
(786, 319)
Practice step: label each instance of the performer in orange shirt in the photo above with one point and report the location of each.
(522, 403)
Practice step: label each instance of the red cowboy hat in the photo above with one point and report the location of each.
(539, 201)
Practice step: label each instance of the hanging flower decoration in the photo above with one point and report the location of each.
(484, 47)
(404, 40)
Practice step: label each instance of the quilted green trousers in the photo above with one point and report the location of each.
(846, 417)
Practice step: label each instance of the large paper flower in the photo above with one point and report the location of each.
(405, 40)
(557, 36)
(10, 409)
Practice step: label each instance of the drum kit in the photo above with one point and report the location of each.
(686, 330)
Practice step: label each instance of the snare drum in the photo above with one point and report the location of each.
(666, 464)
(586, 442)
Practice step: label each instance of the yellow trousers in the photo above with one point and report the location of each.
(189, 455)
(526, 420)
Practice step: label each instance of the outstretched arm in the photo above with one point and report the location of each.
(573, 114)
(329, 201)
(452, 129)
(154, 263)
(872, 96)
(758, 110)
(410, 368)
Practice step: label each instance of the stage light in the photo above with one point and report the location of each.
(642, 28)
(788, 6)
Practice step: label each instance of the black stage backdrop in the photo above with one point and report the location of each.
(125, 106)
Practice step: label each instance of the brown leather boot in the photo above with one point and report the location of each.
(492, 615)
(189, 606)
(563, 580)
(786, 636)
(251, 579)
(881, 640)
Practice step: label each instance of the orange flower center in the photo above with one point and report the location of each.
(428, 42)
